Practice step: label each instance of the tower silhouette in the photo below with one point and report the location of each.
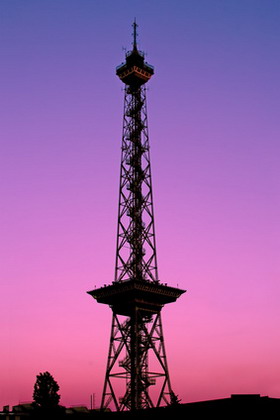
(136, 352)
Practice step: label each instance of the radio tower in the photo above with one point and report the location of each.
(137, 351)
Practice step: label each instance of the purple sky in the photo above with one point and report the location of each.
(213, 108)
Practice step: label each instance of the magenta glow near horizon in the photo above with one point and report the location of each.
(213, 107)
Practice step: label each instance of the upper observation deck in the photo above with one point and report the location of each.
(135, 71)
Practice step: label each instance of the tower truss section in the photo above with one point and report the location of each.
(136, 248)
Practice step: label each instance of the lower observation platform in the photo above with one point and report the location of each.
(124, 297)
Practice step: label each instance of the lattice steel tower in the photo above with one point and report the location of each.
(136, 296)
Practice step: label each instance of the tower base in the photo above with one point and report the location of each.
(136, 351)
(131, 341)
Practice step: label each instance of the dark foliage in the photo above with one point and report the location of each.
(45, 395)
(174, 400)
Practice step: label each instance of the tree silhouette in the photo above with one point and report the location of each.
(45, 393)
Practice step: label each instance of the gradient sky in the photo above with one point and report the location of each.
(213, 107)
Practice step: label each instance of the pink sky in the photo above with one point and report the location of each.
(213, 108)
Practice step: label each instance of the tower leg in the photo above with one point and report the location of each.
(157, 341)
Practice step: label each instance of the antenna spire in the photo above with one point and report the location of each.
(134, 25)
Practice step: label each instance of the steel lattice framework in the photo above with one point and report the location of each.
(136, 351)
(136, 248)
(137, 337)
